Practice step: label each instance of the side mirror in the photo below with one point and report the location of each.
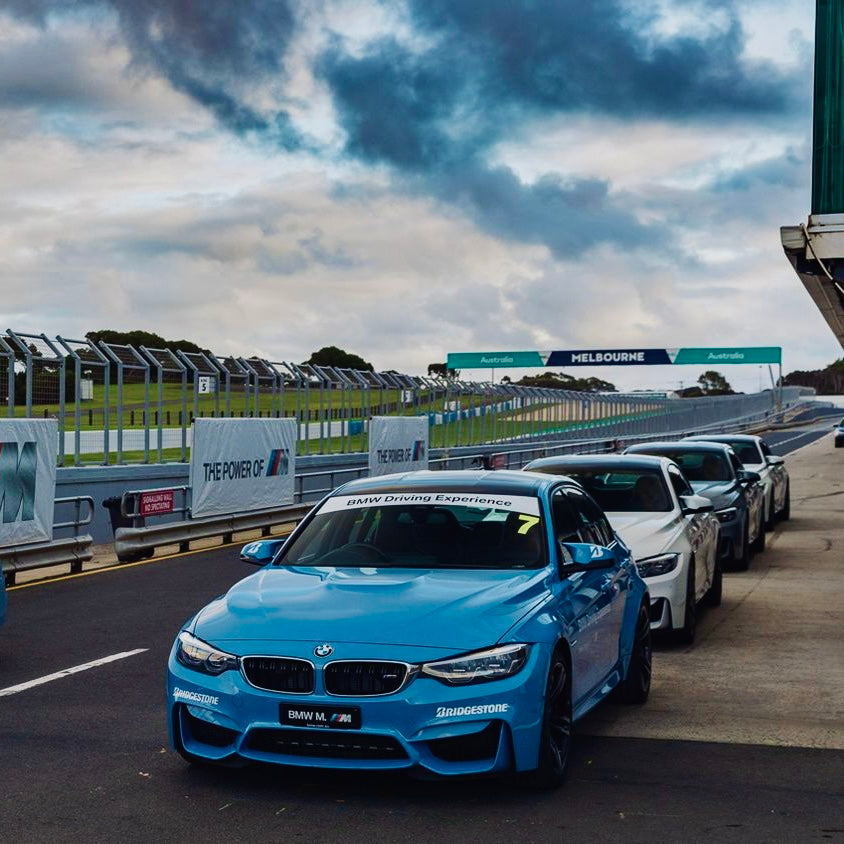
(775, 460)
(745, 476)
(261, 552)
(691, 504)
(583, 556)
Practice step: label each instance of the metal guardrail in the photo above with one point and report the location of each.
(136, 543)
(74, 550)
(140, 541)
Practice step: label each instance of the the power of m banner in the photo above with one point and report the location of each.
(397, 444)
(27, 480)
(238, 465)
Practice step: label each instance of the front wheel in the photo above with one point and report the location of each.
(743, 560)
(759, 543)
(555, 738)
(785, 513)
(685, 635)
(716, 589)
(636, 686)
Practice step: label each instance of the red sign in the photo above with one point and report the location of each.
(154, 503)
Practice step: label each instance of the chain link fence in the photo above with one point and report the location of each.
(119, 404)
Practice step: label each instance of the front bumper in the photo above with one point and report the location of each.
(668, 597)
(426, 725)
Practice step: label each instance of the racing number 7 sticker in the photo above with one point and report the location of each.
(528, 523)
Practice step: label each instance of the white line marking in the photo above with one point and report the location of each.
(22, 687)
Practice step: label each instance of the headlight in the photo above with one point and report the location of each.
(479, 667)
(660, 564)
(727, 514)
(199, 655)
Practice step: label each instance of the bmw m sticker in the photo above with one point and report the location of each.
(511, 503)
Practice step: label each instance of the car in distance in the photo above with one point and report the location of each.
(839, 434)
(441, 622)
(756, 455)
(672, 532)
(714, 470)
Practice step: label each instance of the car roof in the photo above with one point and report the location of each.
(673, 446)
(725, 438)
(478, 481)
(578, 462)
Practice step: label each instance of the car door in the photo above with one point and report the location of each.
(778, 475)
(595, 603)
(701, 533)
(753, 494)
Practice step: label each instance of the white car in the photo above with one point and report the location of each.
(756, 456)
(672, 532)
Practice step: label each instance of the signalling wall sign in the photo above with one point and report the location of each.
(397, 444)
(27, 480)
(241, 464)
(615, 357)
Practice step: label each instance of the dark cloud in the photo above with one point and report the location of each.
(480, 72)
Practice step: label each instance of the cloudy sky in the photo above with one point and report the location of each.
(405, 179)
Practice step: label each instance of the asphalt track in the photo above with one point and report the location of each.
(85, 757)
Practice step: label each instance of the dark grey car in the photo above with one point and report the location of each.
(714, 471)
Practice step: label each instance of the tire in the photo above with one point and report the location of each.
(716, 589)
(770, 515)
(759, 543)
(685, 635)
(636, 686)
(785, 513)
(555, 737)
(742, 563)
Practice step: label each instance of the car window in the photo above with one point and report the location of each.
(594, 527)
(766, 449)
(748, 453)
(423, 530)
(737, 465)
(702, 465)
(680, 484)
(628, 491)
(565, 520)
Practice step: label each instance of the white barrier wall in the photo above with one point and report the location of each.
(241, 464)
(397, 444)
(28, 449)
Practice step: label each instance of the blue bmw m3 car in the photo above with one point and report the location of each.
(442, 622)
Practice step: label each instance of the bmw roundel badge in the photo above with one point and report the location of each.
(323, 650)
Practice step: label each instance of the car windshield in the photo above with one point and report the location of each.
(429, 530)
(630, 491)
(702, 465)
(747, 453)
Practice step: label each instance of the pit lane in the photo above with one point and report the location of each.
(741, 739)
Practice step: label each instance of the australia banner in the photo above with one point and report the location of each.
(241, 464)
(28, 450)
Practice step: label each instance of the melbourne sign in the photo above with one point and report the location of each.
(241, 464)
(615, 357)
(27, 480)
(397, 444)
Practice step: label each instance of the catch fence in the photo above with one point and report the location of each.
(118, 404)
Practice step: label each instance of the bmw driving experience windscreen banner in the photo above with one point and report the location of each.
(28, 449)
(397, 444)
(238, 465)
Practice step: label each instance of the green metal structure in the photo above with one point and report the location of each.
(828, 131)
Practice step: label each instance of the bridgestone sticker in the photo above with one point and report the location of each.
(194, 697)
(511, 503)
(481, 709)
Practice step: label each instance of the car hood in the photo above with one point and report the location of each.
(647, 534)
(460, 609)
(720, 493)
